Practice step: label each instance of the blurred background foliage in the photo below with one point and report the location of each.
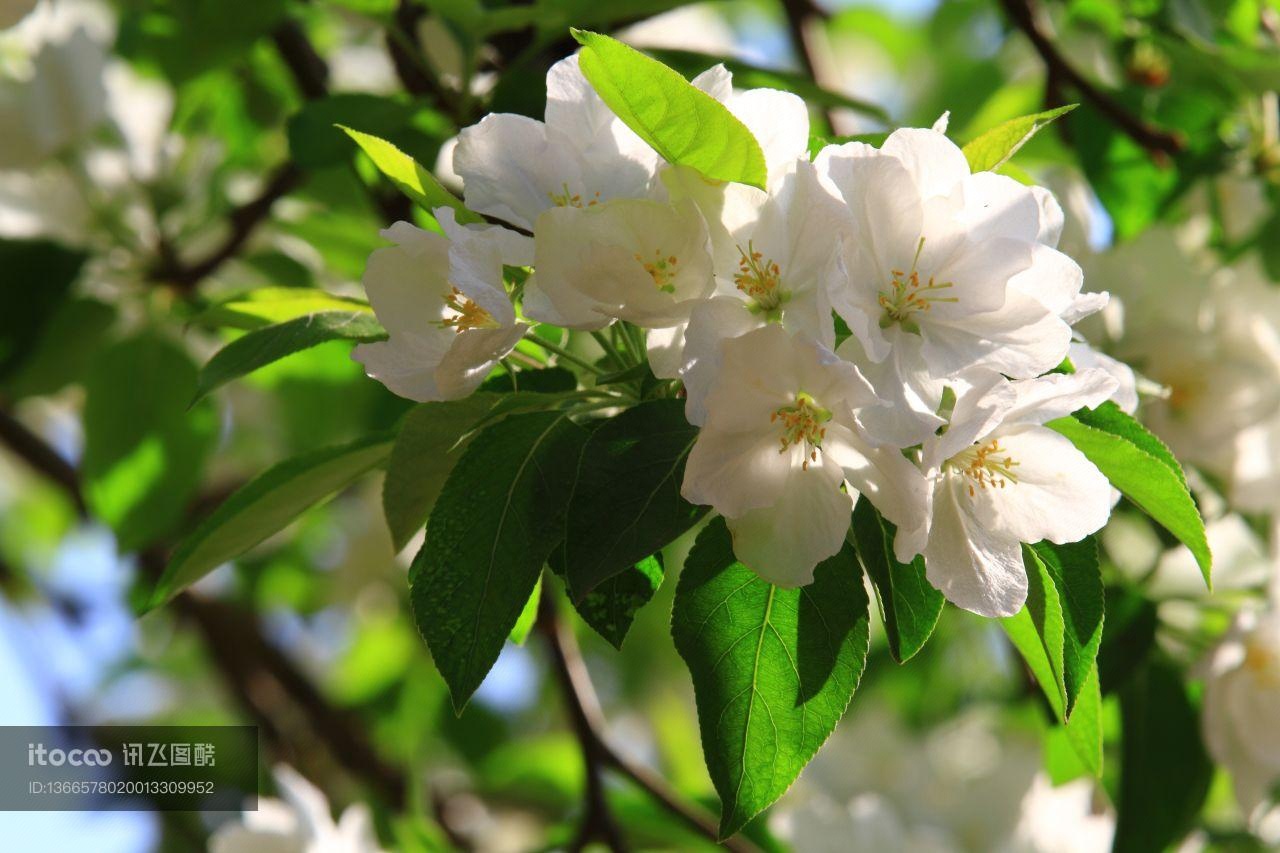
(177, 152)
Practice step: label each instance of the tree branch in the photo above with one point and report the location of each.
(243, 219)
(256, 672)
(588, 723)
(803, 17)
(1160, 143)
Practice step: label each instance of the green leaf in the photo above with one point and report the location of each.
(68, 346)
(500, 514)
(38, 274)
(626, 502)
(685, 125)
(773, 669)
(1142, 468)
(413, 180)
(431, 440)
(1074, 572)
(611, 607)
(1164, 771)
(144, 452)
(993, 149)
(254, 309)
(524, 624)
(909, 604)
(265, 505)
(260, 347)
(1028, 630)
(316, 141)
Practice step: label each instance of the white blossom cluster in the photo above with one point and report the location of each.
(933, 407)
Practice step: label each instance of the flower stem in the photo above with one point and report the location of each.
(564, 353)
(602, 339)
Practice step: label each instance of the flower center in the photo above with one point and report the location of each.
(566, 198)
(907, 296)
(1263, 663)
(802, 423)
(464, 313)
(760, 279)
(986, 465)
(662, 269)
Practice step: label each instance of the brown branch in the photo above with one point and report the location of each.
(42, 458)
(588, 723)
(309, 70)
(803, 18)
(244, 219)
(256, 672)
(1160, 143)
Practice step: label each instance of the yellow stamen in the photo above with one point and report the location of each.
(760, 279)
(906, 295)
(802, 423)
(566, 198)
(466, 313)
(662, 269)
(986, 465)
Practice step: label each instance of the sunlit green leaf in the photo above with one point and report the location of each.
(413, 180)
(685, 125)
(993, 149)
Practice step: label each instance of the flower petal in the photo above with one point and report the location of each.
(971, 566)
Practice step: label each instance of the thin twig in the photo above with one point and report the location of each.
(244, 219)
(42, 458)
(803, 19)
(589, 727)
(257, 673)
(1161, 143)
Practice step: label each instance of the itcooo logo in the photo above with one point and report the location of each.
(40, 756)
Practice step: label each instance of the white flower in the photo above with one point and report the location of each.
(514, 167)
(1242, 704)
(999, 479)
(781, 456)
(946, 270)
(300, 823)
(773, 265)
(1062, 819)
(53, 94)
(631, 259)
(442, 301)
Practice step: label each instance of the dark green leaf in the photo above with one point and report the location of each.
(37, 276)
(1141, 467)
(547, 380)
(265, 505)
(909, 604)
(626, 503)
(316, 142)
(68, 344)
(685, 125)
(262, 346)
(431, 441)
(529, 615)
(611, 607)
(500, 514)
(1164, 771)
(144, 452)
(773, 669)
